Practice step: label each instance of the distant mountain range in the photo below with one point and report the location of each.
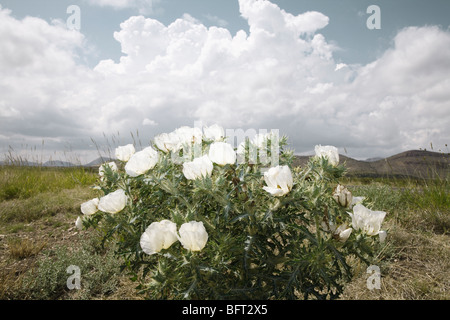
(58, 163)
(413, 163)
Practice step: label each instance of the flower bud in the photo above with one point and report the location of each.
(343, 233)
(329, 152)
(343, 196)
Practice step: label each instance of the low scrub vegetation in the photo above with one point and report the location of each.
(38, 239)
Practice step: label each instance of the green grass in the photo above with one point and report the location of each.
(17, 182)
(31, 193)
(415, 263)
(38, 241)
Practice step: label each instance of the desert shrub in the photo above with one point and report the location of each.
(195, 218)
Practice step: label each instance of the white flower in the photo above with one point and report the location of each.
(124, 153)
(198, 168)
(356, 200)
(188, 135)
(90, 207)
(214, 132)
(342, 196)
(113, 202)
(79, 223)
(178, 138)
(158, 236)
(193, 236)
(222, 153)
(329, 152)
(367, 220)
(166, 142)
(279, 180)
(112, 165)
(141, 162)
(343, 232)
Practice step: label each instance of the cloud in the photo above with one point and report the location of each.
(39, 74)
(402, 98)
(210, 75)
(279, 75)
(149, 122)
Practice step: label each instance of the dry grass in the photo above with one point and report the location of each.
(415, 264)
(24, 248)
(37, 231)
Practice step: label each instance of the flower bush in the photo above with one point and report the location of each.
(194, 218)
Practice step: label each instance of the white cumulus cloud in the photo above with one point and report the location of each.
(279, 75)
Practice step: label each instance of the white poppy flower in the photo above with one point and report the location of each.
(214, 132)
(329, 152)
(193, 236)
(188, 135)
(158, 236)
(141, 162)
(178, 138)
(124, 153)
(90, 207)
(367, 220)
(113, 202)
(222, 153)
(167, 142)
(279, 180)
(198, 168)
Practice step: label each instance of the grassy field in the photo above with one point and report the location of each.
(38, 239)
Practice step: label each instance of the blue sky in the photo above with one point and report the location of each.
(245, 64)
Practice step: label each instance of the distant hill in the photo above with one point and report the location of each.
(413, 163)
(99, 161)
(58, 163)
